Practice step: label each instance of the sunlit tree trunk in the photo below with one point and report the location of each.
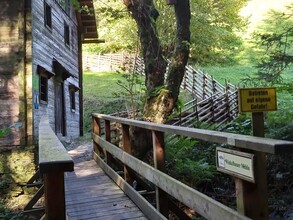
(162, 94)
(145, 15)
(160, 106)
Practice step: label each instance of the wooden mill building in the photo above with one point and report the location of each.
(41, 67)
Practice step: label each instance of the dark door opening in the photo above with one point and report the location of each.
(60, 117)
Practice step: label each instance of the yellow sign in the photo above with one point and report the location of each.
(235, 163)
(257, 99)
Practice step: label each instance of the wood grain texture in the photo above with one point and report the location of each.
(91, 194)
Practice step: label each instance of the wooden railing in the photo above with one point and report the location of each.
(53, 162)
(106, 153)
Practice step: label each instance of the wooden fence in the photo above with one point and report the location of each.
(129, 169)
(212, 102)
(107, 62)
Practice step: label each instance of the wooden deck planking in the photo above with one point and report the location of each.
(91, 194)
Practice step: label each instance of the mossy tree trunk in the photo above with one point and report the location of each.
(145, 15)
(162, 94)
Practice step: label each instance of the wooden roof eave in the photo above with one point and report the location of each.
(87, 23)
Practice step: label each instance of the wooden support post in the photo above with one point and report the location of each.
(54, 196)
(109, 157)
(97, 130)
(127, 148)
(252, 198)
(53, 162)
(204, 86)
(193, 82)
(159, 162)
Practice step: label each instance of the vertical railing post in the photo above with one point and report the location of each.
(54, 196)
(53, 162)
(127, 148)
(193, 82)
(99, 63)
(159, 163)
(252, 198)
(109, 157)
(203, 86)
(97, 130)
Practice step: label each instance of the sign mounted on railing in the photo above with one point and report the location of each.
(257, 99)
(236, 163)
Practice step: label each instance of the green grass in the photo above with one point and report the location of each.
(235, 74)
(101, 85)
(99, 88)
(98, 95)
(232, 74)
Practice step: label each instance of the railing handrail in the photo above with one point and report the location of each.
(164, 184)
(261, 144)
(53, 157)
(53, 162)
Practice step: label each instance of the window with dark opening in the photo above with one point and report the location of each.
(43, 89)
(72, 100)
(66, 34)
(48, 16)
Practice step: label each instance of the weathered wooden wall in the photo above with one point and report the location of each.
(25, 44)
(49, 45)
(14, 55)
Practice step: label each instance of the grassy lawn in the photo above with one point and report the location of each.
(99, 89)
(232, 74)
(99, 97)
(235, 74)
(101, 85)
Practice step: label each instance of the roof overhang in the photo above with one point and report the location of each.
(60, 69)
(87, 22)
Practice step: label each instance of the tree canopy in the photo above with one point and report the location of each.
(213, 26)
(274, 38)
(277, 39)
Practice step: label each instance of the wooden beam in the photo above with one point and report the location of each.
(90, 35)
(159, 163)
(201, 203)
(265, 145)
(93, 41)
(54, 196)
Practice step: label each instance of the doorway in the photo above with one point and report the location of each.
(60, 117)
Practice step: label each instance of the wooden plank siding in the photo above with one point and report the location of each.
(91, 194)
(49, 45)
(27, 45)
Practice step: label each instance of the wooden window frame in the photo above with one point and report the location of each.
(72, 100)
(43, 89)
(72, 90)
(48, 15)
(66, 34)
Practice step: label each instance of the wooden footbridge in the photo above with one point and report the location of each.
(88, 193)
